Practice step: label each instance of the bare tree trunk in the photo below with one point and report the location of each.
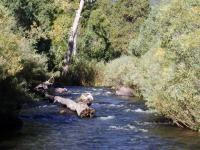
(72, 38)
(75, 45)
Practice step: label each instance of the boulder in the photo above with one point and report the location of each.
(124, 91)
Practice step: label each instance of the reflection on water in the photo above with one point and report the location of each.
(120, 123)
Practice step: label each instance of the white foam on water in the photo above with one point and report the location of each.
(143, 130)
(117, 127)
(128, 127)
(131, 127)
(114, 105)
(111, 105)
(128, 110)
(125, 128)
(139, 110)
(43, 106)
(151, 123)
(108, 93)
(107, 118)
(76, 93)
(97, 93)
(100, 89)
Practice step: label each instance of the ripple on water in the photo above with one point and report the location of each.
(97, 93)
(107, 118)
(109, 105)
(115, 105)
(76, 93)
(139, 110)
(47, 106)
(151, 123)
(128, 127)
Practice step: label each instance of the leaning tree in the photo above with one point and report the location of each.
(73, 36)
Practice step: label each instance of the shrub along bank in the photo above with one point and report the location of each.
(166, 65)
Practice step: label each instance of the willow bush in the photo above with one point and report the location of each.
(166, 72)
(171, 62)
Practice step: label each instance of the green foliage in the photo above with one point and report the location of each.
(123, 71)
(45, 24)
(172, 62)
(59, 37)
(31, 32)
(167, 70)
(28, 11)
(109, 27)
(60, 32)
(20, 67)
(106, 27)
(81, 72)
(126, 22)
(9, 61)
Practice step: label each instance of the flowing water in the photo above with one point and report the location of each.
(120, 124)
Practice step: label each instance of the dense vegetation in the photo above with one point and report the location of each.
(32, 44)
(156, 52)
(20, 66)
(105, 35)
(164, 68)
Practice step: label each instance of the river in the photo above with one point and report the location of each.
(120, 123)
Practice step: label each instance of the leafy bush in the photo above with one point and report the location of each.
(20, 67)
(123, 72)
(172, 62)
(167, 70)
(81, 72)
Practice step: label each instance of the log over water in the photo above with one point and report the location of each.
(81, 106)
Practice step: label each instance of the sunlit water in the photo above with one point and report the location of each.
(120, 124)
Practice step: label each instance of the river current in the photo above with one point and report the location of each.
(120, 124)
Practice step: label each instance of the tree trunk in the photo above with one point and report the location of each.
(72, 38)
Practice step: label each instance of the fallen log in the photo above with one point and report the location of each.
(80, 106)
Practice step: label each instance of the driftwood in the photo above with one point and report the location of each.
(80, 106)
